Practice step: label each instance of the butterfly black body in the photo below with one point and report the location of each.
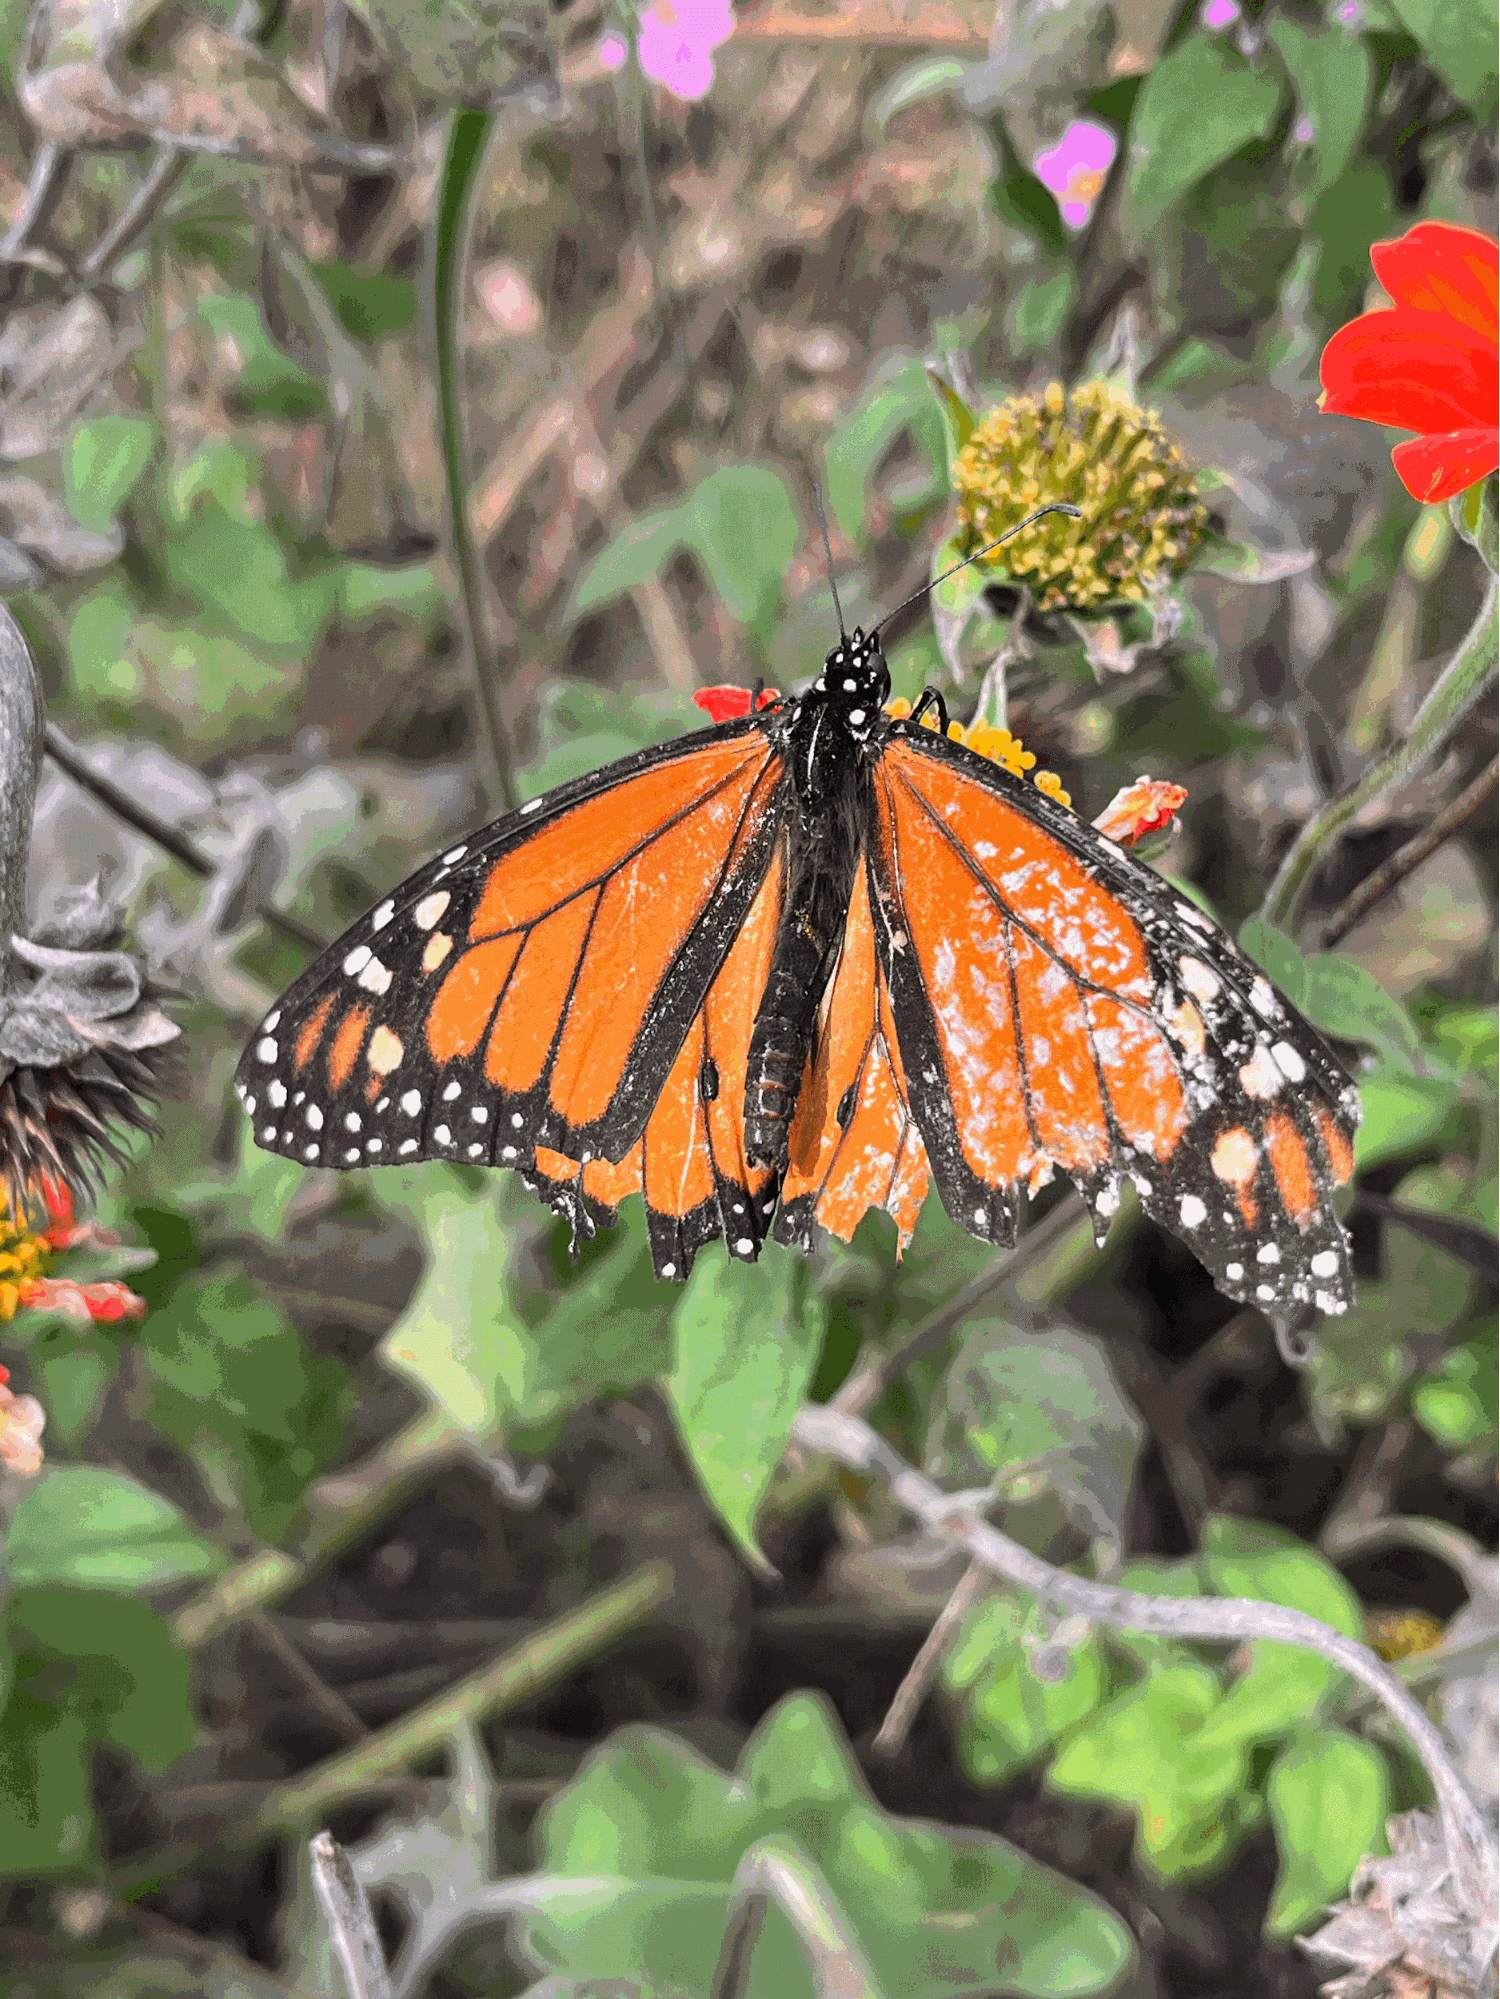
(823, 737)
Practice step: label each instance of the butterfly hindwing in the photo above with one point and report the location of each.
(1060, 1006)
(690, 1162)
(534, 985)
(854, 1141)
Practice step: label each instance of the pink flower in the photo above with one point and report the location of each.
(677, 41)
(1218, 14)
(612, 50)
(1074, 170)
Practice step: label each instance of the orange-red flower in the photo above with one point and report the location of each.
(1140, 808)
(1427, 362)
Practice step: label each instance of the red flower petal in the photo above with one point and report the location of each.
(1438, 267)
(1435, 468)
(723, 704)
(726, 704)
(1416, 371)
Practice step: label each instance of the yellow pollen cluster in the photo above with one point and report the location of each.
(23, 1257)
(1142, 517)
(998, 745)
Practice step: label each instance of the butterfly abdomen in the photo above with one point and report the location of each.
(779, 1044)
(822, 878)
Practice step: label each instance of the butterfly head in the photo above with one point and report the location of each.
(855, 681)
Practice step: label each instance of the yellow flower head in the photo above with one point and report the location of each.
(1142, 517)
(999, 745)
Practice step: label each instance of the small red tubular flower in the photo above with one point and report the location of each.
(727, 704)
(1428, 361)
(1140, 808)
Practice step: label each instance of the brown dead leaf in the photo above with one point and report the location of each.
(52, 359)
(35, 521)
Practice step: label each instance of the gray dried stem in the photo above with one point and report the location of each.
(1469, 1839)
(351, 1926)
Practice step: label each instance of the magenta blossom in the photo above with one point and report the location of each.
(1218, 14)
(677, 43)
(1074, 170)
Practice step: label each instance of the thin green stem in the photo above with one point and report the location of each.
(548, 1655)
(1462, 683)
(470, 136)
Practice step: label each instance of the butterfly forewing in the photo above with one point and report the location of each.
(534, 986)
(1058, 1005)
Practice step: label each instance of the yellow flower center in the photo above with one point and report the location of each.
(1141, 519)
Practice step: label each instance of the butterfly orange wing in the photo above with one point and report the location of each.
(854, 1142)
(690, 1162)
(546, 986)
(1059, 1006)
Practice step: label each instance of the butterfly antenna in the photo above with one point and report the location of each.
(828, 551)
(1052, 507)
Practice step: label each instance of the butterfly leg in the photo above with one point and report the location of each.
(931, 698)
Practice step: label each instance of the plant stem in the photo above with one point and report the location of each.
(777, 1871)
(23, 718)
(547, 1656)
(1462, 683)
(142, 820)
(1471, 1845)
(470, 136)
(1406, 860)
(340, 1508)
(351, 1925)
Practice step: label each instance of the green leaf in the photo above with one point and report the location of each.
(46, 1803)
(231, 1382)
(1199, 107)
(746, 1340)
(238, 568)
(1040, 311)
(1008, 1714)
(1023, 201)
(1401, 1113)
(1341, 997)
(84, 1525)
(1282, 1683)
(928, 76)
(115, 1667)
(898, 400)
(1037, 1414)
(1345, 999)
(269, 383)
(494, 1359)
(1363, 1358)
(743, 524)
(637, 1854)
(72, 1375)
(1142, 1747)
(1331, 71)
(369, 304)
(1458, 39)
(958, 418)
(1456, 1402)
(1329, 1795)
(103, 461)
(638, 551)
(367, 589)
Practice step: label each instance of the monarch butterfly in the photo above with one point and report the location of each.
(786, 969)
